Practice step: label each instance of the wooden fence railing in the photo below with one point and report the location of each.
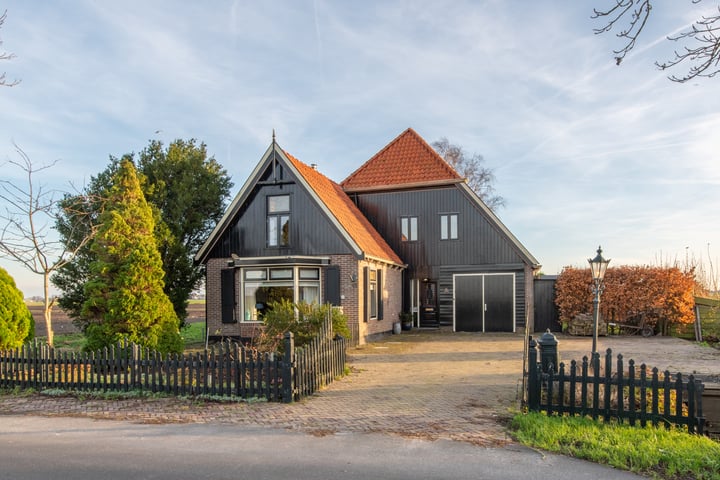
(227, 369)
(632, 396)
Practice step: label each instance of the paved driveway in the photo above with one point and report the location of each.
(420, 384)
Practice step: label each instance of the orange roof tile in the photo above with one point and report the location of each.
(346, 213)
(407, 160)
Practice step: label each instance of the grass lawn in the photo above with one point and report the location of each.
(657, 452)
(193, 335)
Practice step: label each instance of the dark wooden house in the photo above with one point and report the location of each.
(403, 233)
(464, 267)
(292, 233)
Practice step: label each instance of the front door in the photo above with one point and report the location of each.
(484, 303)
(429, 315)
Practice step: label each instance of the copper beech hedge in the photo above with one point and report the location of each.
(663, 295)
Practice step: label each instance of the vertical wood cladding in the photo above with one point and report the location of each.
(311, 231)
(480, 246)
(479, 242)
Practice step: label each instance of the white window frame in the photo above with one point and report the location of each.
(449, 226)
(409, 228)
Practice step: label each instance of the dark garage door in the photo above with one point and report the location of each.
(484, 302)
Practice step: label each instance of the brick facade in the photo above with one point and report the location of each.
(352, 285)
(391, 295)
(213, 306)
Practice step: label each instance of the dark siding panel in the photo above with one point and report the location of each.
(227, 295)
(480, 247)
(479, 242)
(311, 232)
(546, 312)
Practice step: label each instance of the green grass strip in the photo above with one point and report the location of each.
(651, 451)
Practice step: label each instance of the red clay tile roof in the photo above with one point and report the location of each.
(407, 160)
(346, 213)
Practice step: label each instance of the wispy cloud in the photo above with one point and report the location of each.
(571, 136)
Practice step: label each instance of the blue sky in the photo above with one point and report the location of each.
(584, 152)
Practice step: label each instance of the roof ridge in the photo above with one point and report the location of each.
(388, 165)
(434, 152)
(364, 165)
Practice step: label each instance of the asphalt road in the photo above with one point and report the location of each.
(78, 448)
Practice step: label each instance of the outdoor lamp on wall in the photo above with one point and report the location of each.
(598, 267)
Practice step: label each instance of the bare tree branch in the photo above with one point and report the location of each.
(705, 58)
(29, 214)
(702, 56)
(478, 177)
(640, 12)
(5, 56)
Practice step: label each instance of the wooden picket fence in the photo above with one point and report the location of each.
(319, 362)
(635, 396)
(227, 369)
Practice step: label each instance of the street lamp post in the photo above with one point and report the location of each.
(598, 267)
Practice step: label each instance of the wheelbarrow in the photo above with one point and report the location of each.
(627, 329)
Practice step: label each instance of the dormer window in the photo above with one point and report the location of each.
(278, 221)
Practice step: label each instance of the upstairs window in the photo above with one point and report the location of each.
(449, 226)
(408, 229)
(278, 221)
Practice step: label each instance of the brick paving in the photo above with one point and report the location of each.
(420, 385)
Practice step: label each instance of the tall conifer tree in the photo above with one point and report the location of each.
(124, 293)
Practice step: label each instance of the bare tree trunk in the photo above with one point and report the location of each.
(23, 233)
(47, 309)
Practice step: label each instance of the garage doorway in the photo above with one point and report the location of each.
(484, 302)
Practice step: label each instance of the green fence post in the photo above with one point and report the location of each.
(288, 370)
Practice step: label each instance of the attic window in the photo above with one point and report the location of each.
(278, 220)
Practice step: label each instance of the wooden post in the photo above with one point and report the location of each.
(289, 369)
(533, 377)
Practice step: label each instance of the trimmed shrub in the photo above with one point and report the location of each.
(662, 296)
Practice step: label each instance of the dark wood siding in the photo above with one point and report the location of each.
(479, 241)
(311, 232)
(546, 312)
(480, 247)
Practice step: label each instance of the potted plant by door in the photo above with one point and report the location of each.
(406, 320)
